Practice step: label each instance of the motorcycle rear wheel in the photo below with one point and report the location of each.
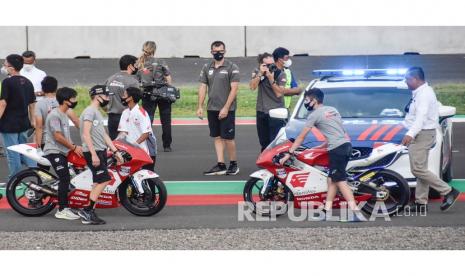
(399, 192)
(16, 195)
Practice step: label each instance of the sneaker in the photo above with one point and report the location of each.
(449, 199)
(218, 169)
(66, 213)
(89, 217)
(167, 149)
(2, 185)
(233, 169)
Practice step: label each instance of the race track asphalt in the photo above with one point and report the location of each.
(185, 71)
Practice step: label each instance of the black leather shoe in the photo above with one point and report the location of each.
(449, 199)
(167, 149)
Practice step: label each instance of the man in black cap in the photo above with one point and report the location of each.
(95, 142)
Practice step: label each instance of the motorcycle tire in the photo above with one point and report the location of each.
(249, 197)
(155, 184)
(400, 194)
(14, 201)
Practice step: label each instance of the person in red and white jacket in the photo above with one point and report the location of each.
(135, 124)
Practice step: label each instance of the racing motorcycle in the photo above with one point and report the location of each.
(303, 179)
(34, 191)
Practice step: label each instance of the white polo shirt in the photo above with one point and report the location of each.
(423, 112)
(135, 122)
(35, 75)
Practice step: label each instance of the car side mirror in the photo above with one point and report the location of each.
(446, 112)
(279, 113)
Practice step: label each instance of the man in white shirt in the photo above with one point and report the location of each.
(32, 73)
(421, 121)
(135, 123)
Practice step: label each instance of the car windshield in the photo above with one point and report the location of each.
(365, 102)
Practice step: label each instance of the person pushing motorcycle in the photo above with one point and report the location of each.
(95, 143)
(328, 120)
(57, 145)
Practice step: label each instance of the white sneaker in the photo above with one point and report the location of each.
(66, 213)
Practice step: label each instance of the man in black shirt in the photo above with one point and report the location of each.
(17, 103)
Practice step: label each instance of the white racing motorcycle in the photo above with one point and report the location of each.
(34, 191)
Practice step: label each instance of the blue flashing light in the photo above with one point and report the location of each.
(360, 72)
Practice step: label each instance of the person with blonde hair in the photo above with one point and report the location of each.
(156, 74)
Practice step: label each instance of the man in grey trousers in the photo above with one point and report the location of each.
(421, 121)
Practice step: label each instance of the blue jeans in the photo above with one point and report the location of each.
(15, 160)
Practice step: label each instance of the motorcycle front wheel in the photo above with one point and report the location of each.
(262, 204)
(148, 204)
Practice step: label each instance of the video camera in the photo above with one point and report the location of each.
(160, 90)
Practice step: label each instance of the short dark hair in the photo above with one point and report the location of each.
(49, 84)
(261, 57)
(280, 52)
(126, 60)
(16, 61)
(28, 54)
(135, 93)
(316, 94)
(217, 43)
(416, 72)
(64, 94)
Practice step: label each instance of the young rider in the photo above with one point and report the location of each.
(57, 145)
(95, 143)
(328, 120)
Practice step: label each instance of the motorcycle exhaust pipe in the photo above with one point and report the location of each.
(42, 189)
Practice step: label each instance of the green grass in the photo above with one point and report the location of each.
(448, 94)
(452, 94)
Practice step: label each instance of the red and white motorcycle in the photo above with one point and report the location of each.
(34, 191)
(303, 179)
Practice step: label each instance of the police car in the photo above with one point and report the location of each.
(372, 105)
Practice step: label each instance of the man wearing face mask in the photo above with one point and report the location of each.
(95, 143)
(45, 106)
(57, 145)
(136, 125)
(328, 120)
(17, 109)
(34, 74)
(117, 84)
(221, 77)
(283, 62)
(267, 98)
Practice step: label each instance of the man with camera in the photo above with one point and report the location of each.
(155, 77)
(270, 79)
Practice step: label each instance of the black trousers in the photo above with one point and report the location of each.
(267, 128)
(164, 108)
(60, 165)
(113, 123)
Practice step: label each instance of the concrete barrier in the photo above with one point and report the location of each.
(112, 42)
(13, 40)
